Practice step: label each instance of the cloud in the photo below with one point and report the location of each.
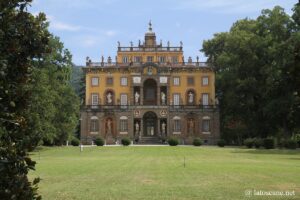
(110, 33)
(61, 26)
(226, 6)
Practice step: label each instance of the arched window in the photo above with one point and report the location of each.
(177, 124)
(206, 124)
(94, 127)
(123, 124)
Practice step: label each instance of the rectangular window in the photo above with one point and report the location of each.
(162, 59)
(95, 81)
(205, 80)
(123, 99)
(123, 81)
(95, 99)
(174, 59)
(176, 99)
(205, 99)
(150, 59)
(177, 127)
(125, 59)
(176, 81)
(206, 125)
(109, 81)
(190, 81)
(138, 59)
(123, 125)
(94, 125)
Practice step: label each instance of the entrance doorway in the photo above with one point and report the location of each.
(150, 124)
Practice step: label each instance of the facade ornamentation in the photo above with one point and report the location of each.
(149, 94)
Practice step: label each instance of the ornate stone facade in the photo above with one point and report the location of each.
(149, 94)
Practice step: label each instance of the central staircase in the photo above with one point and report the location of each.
(149, 140)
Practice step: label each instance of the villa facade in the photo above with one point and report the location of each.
(148, 94)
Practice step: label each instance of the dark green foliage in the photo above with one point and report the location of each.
(290, 144)
(197, 142)
(99, 141)
(221, 143)
(75, 142)
(258, 142)
(23, 39)
(269, 143)
(297, 138)
(173, 141)
(257, 67)
(249, 142)
(125, 141)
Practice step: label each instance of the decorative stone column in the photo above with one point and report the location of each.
(158, 97)
(141, 95)
(158, 127)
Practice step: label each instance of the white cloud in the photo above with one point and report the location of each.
(61, 26)
(89, 42)
(230, 6)
(110, 33)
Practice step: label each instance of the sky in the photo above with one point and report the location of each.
(93, 27)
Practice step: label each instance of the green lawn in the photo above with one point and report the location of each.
(159, 172)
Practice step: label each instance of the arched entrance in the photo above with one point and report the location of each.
(150, 124)
(150, 92)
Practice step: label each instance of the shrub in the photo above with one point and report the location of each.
(269, 143)
(297, 138)
(197, 142)
(173, 141)
(125, 141)
(99, 141)
(221, 143)
(258, 142)
(290, 144)
(75, 142)
(249, 142)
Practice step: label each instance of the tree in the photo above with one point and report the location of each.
(257, 74)
(55, 106)
(23, 39)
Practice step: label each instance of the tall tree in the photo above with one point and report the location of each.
(257, 72)
(23, 39)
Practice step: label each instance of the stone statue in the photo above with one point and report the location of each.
(217, 101)
(137, 128)
(163, 128)
(131, 44)
(163, 98)
(137, 97)
(181, 43)
(191, 97)
(109, 126)
(119, 44)
(87, 59)
(109, 97)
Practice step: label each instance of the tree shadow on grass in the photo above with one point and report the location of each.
(268, 151)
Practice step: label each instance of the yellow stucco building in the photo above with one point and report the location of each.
(148, 94)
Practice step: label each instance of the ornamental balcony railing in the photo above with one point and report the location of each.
(150, 49)
(111, 108)
(138, 64)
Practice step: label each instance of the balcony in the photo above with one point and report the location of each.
(138, 64)
(123, 108)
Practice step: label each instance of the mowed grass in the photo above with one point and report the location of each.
(137, 172)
